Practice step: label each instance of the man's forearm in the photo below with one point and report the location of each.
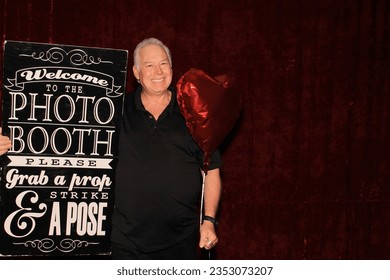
(212, 192)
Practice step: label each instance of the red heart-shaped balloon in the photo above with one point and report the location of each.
(210, 107)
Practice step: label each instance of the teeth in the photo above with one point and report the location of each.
(159, 80)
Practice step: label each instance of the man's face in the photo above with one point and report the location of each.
(155, 72)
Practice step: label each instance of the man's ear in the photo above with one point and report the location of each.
(135, 72)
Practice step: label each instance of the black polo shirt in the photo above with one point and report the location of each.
(158, 179)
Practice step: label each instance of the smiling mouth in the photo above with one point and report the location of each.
(158, 80)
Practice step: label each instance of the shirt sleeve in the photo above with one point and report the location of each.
(215, 160)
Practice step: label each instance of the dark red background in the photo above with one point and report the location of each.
(306, 169)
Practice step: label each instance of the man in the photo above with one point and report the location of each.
(158, 179)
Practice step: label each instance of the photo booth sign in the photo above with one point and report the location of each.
(62, 107)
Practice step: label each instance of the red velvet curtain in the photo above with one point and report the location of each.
(306, 168)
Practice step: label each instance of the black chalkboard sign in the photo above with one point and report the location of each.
(61, 108)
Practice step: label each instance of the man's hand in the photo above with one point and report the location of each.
(5, 143)
(208, 237)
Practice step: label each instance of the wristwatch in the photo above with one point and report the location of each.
(210, 219)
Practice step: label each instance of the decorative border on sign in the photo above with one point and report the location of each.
(57, 55)
(48, 245)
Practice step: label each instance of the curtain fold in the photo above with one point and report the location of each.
(306, 168)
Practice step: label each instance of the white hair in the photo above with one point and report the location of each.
(147, 42)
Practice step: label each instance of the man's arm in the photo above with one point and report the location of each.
(212, 194)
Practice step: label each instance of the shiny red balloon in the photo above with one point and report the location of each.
(210, 107)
